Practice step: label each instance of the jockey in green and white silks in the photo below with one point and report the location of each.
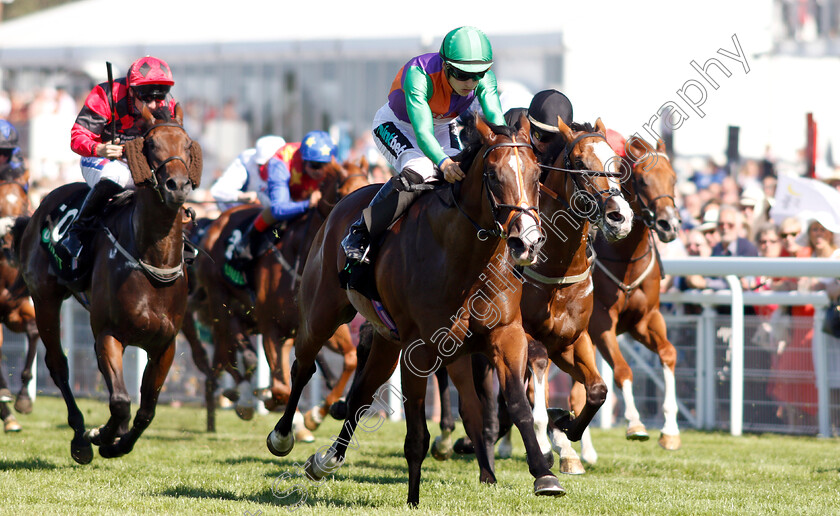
(414, 129)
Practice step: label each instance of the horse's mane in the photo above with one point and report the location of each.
(586, 126)
(471, 140)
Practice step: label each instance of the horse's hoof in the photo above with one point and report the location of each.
(5, 395)
(11, 425)
(317, 467)
(112, 451)
(463, 448)
(670, 442)
(637, 433)
(279, 445)
(82, 452)
(549, 458)
(442, 451)
(231, 394)
(23, 405)
(338, 410)
(312, 419)
(548, 486)
(245, 413)
(571, 466)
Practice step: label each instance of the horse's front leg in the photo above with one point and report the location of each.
(23, 403)
(511, 348)
(580, 365)
(342, 343)
(154, 376)
(109, 356)
(417, 432)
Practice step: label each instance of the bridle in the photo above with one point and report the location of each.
(648, 215)
(577, 175)
(153, 177)
(339, 185)
(500, 230)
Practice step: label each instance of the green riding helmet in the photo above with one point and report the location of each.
(467, 49)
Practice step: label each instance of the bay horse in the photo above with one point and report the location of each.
(627, 278)
(16, 310)
(137, 292)
(579, 187)
(446, 284)
(234, 312)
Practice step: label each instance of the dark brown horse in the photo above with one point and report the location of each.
(443, 275)
(234, 312)
(16, 310)
(580, 186)
(138, 291)
(627, 276)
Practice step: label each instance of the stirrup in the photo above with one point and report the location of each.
(356, 251)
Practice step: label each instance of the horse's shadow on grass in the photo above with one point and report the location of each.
(26, 464)
(249, 460)
(267, 496)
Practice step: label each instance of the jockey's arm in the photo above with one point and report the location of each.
(229, 187)
(86, 133)
(488, 97)
(418, 90)
(282, 205)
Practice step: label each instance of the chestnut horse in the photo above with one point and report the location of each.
(627, 277)
(138, 291)
(16, 310)
(233, 313)
(581, 186)
(439, 284)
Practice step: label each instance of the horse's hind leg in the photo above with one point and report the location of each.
(109, 355)
(10, 424)
(48, 315)
(656, 339)
(23, 403)
(154, 375)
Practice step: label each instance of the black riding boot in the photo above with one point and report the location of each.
(390, 202)
(91, 208)
(246, 248)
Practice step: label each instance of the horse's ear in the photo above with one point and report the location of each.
(138, 165)
(363, 164)
(196, 163)
(565, 130)
(484, 130)
(660, 146)
(179, 114)
(147, 115)
(524, 127)
(600, 127)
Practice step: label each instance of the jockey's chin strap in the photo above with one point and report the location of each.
(516, 211)
(163, 275)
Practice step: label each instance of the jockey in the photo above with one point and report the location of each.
(11, 159)
(545, 108)
(414, 129)
(294, 176)
(147, 83)
(245, 180)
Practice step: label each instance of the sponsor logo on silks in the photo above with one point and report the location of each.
(235, 276)
(392, 138)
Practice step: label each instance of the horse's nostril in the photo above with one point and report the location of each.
(664, 225)
(615, 216)
(171, 185)
(516, 244)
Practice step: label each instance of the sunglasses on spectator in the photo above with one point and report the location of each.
(726, 224)
(789, 235)
(765, 242)
(460, 75)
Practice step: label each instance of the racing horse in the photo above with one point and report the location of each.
(627, 277)
(580, 187)
(234, 312)
(16, 310)
(137, 291)
(442, 275)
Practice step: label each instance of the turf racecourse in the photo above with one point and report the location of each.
(178, 469)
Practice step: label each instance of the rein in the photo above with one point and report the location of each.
(163, 275)
(498, 230)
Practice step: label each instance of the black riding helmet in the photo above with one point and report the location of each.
(545, 107)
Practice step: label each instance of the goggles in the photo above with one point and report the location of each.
(149, 92)
(460, 75)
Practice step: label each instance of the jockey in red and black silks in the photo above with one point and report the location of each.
(146, 84)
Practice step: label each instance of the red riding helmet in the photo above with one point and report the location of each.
(149, 70)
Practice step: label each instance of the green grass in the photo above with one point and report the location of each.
(176, 468)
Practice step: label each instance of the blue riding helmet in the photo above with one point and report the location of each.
(8, 135)
(317, 146)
